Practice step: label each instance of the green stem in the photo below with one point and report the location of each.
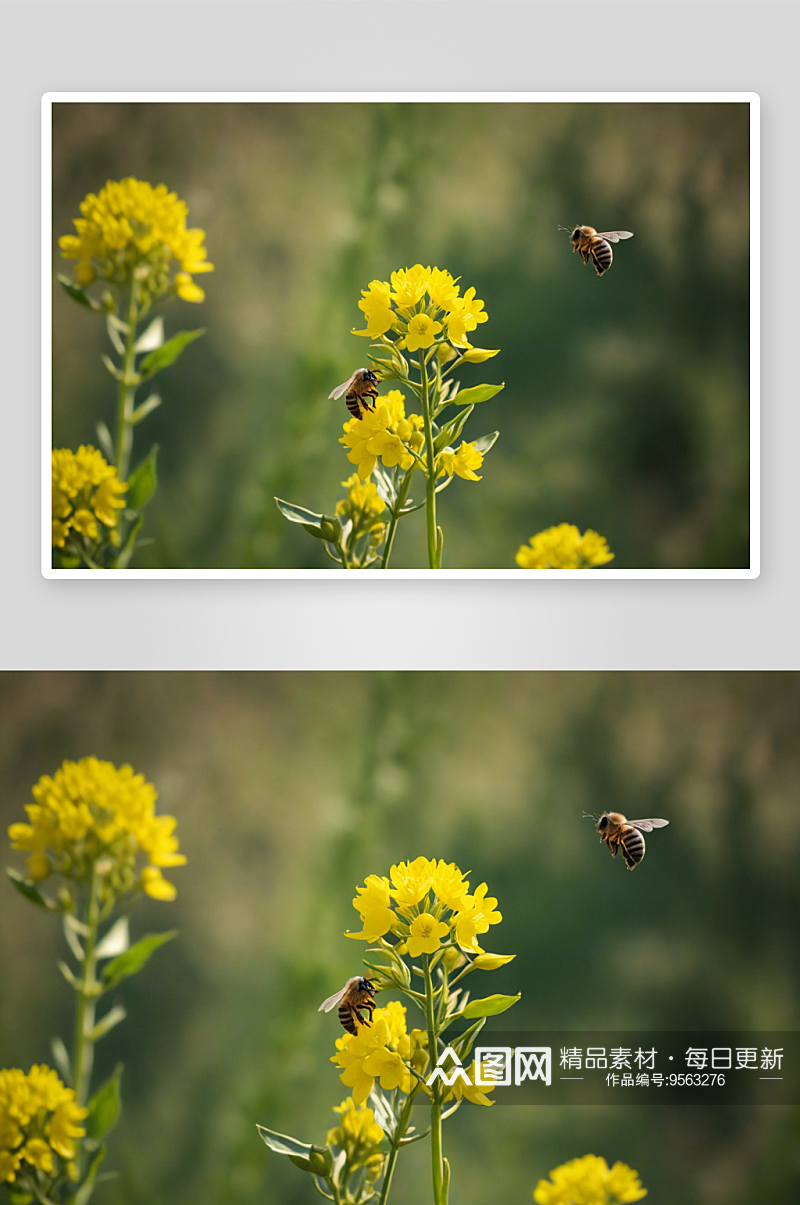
(434, 557)
(402, 1126)
(126, 390)
(437, 1167)
(398, 506)
(83, 1046)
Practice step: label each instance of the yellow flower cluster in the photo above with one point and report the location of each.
(92, 817)
(384, 433)
(86, 490)
(413, 904)
(381, 1051)
(362, 506)
(132, 230)
(358, 1134)
(38, 1119)
(590, 1181)
(563, 547)
(414, 319)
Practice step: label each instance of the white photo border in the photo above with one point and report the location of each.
(750, 98)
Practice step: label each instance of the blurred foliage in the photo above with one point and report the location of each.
(290, 788)
(626, 406)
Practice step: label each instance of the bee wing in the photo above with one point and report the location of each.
(332, 1001)
(614, 236)
(647, 826)
(590, 816)
(342, 389)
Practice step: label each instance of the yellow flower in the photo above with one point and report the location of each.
(388, 1029)
(85, 489)
(449, 884)
(422, 332)
(88, 810)
(476, 913)
(471, 1092)
(563, 547)
(362, 506)
(39, 1117)
(589, 1181)
(409, 285)
(443, 289)
(466, 315)
(412, 881)
(357, 1133)
(461, 463)
(131, 230)
(373, 905)
(376, 302)
(426, 934)
(376, 434)
(388, 1067)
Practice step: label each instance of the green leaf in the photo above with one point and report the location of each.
(299, 514)
(104, 1107)
(465, 1041)
(146, 408)
(30, 890)
(142, 482)
(105, 441)
(478, 393)
(486, 442)
(87, 1188)
(315, 1159)
(115, 941)
(132, 961)
(168, 353)
(451, 431)
(126, 553)
(107, 1023)
(77, 294)
(112, 368)
(61, 1059)
(112, 325)
(490, 1006)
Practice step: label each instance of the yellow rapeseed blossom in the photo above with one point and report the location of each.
(39, 1117)
(362, 506)
(461, 463)
(475, 914)
(383, 433)
(373, 903)
(590, 1181)
(426, 934)
(563, 547)
(467, 313)
(358, 1134)
(131, 230)
(378, 1051)
(421, 332)
(90, 814)
(472, 1092)
(86, 491)
(376, 303)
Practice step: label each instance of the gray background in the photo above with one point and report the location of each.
(370, 46)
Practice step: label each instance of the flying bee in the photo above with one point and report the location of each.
(357, 994)
(595, 246)
(358, 390)
(620, 833)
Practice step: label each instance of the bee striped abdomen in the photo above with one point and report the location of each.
(347, 1018)
(632, 845)
(602, 256)
(358, 402)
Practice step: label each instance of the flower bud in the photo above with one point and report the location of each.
(445, 353)
(453, 958)
(490, 962)
(477, 355)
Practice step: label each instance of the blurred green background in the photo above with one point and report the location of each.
(290, 788)
(626, 405)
